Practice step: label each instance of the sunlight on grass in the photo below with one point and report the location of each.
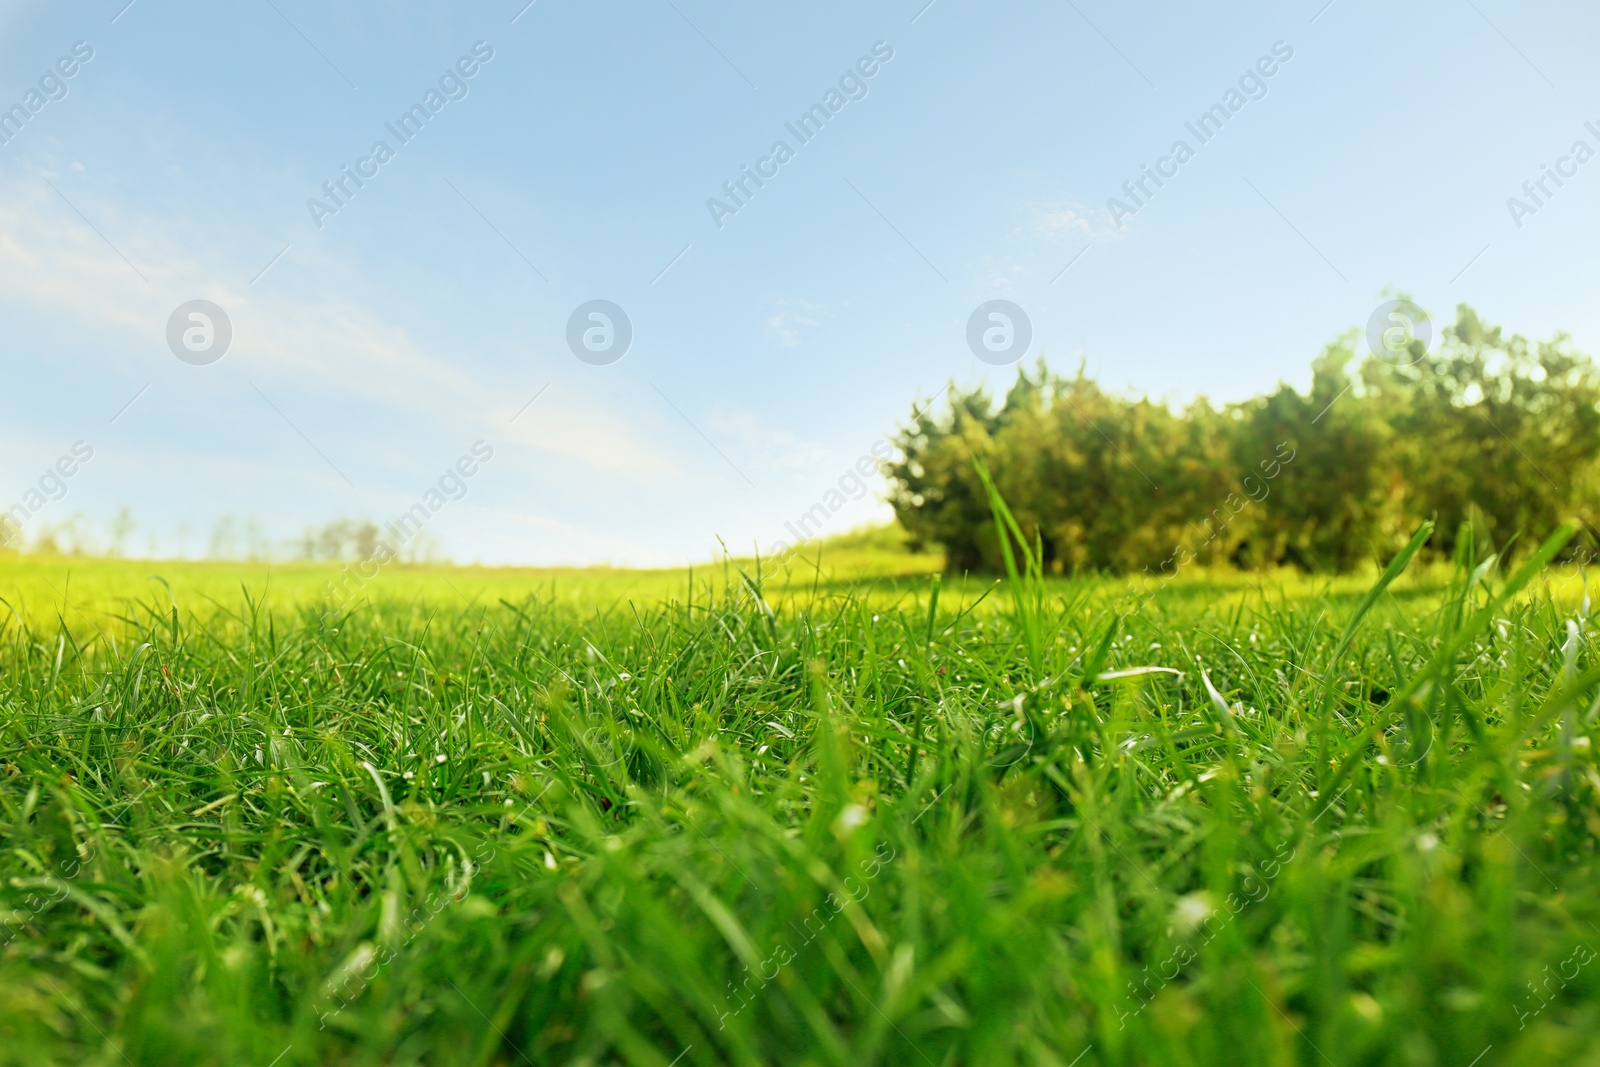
(842, 812)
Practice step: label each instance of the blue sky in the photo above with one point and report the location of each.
(771, 352)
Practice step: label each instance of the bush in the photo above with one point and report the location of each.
(1497, 433)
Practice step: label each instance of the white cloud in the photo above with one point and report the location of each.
(52, 263)
(1062, 222)
(1068, 222)
(769, 447)
(791, 316)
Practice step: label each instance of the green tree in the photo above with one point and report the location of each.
(1486, 429)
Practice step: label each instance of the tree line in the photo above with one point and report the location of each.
(230, 538)
(1487, 434)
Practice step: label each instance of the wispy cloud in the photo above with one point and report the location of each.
(1067, 222)
(310, 337)
(770, 447)
(792, 316)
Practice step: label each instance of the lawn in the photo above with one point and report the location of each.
(842, 814)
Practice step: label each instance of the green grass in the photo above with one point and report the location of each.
(598, 817)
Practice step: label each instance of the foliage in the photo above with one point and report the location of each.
(1485, 429)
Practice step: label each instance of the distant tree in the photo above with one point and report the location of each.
(1323, 506)
(1484, 429)
(122, 525)
(341, 539)
(223, 538)
(933, 487)
(1493, 429)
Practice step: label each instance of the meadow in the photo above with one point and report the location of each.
(843, 811)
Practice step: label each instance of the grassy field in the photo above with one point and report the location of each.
(842, 815)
